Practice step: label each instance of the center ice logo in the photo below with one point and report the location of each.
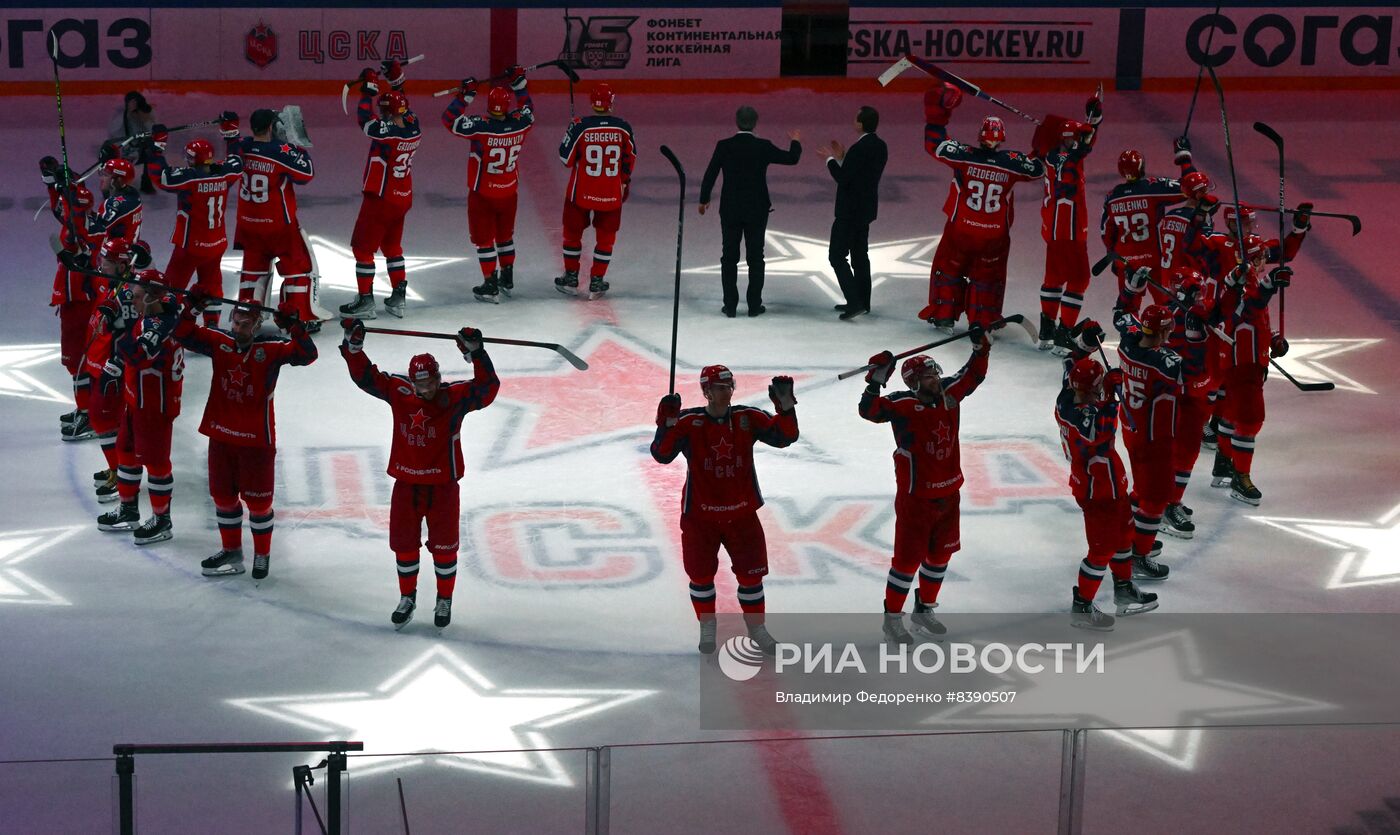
(740, 658)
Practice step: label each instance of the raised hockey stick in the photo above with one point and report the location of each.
(67, 187)
(1230, 160)
(1013, 319)
(1274, 137)
(179, 290)
(1210, 39)
(1352, 219)
(962, 83)
(567, 70)
(572, 358)
(680, 241)
(345, 91)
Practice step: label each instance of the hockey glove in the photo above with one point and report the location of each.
(1088, 335)
(1302, 217)
(150, 341)
(287, 322)
(1181, 150)
(1235, 277)
(228, 124)
(978, 335)
(1093, 110)
(881, 369)
(73, 260)
(1277, 278)
(111, 376)
(1113, 381)
(780, 392)
(354, 335)
(392, 72)
(370, 81)
(198, 299)
(466, 91)
(1278, 346)
(108, 151)
(516, 74)
(140, 255)
(469, 341)
(668, 410)
(1136, 280)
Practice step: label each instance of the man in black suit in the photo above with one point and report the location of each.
(744, 204)
(857, 173)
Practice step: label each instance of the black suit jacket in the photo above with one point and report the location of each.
(744, 159)
(858, 178)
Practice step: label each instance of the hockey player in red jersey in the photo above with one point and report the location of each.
(425, 459)
(601, 153)
(1087, 414)
(73, 293)
(1064, 225)
(493, 175)
(119, 216)
(721, 500)
(151, 365)
(928, 475)
(1244, 301)
(1152, 389)
(1131, 214)
(969, 266)
(241, 426)
(395, 134)
(202, 192)
(267, 228)
(112, 314)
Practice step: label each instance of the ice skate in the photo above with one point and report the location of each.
(222, 564)
(1085, 615)
(153, 530)
(1128, 600)
(361, 308)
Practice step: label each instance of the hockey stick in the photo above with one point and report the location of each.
(1210, 39)
(67, 188)
(403, 807)
(1230, 161)
(1013, 319)
(1103, 263)
(115, 279)
(345, 91)
(568, 70)
(1352, 219)
(680, 241)
(1274, 137)
(965, 85)
(568, 355)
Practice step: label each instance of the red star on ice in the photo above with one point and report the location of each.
(237, 377)
(566, 412)
(420, 420)
(723, 449)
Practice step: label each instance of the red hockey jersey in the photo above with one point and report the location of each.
(493, 157)
(927, 455)
(201, 200)
(271, 170)
(720, 481)
(1131, 214)
(980, 197)
(1087, 435)
(239, 410)
(389, 166)
(427, 446)
(1152, 385)
(1064, 213)
(601, 151)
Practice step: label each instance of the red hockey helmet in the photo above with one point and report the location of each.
(993, 130)
(1086, 375)
(1247, 212)
(151, 275)
(602, 97)
(498, 101)
(1254, 247)
(116, 249)
(82, 197)
(1157, 319)
(1185, 278)
(1131, 165)
(422, 368)
(120, 170)
(392, 103)
(916, 367)
(199, 151)
(1195, 185)
(712, 375)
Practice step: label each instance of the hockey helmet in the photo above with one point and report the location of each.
(993, 131)
(1185, 278)
(120, 170)
(392, 103)
(601, 97)
(1131, 165)
(1246, 212)
(422, 368)
(199, 151)
(498, 101)
(116, 249)
(82, 197)
(916, 367)
(1254, 247)
(1086, 375)
(1157, 320)
(1195, 185)
(152, 276)
(715, 375)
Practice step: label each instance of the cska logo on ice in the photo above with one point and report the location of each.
(597, 43)
(260, 45)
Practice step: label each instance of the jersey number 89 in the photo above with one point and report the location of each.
(255, 188)
(602, 160)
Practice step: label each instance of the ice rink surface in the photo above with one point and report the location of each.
(572, 626)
